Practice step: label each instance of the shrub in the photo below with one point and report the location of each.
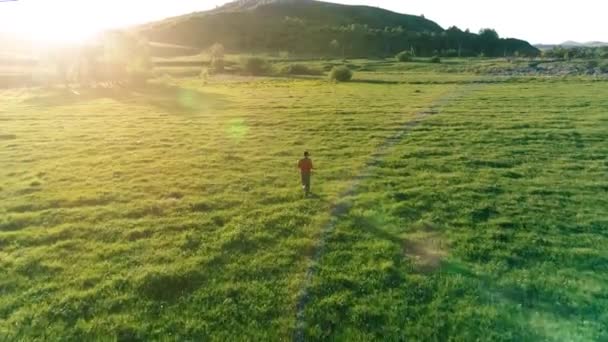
(341, 74)
(404, 56)
(217, 66)
(435, 59)
(353, 66)
(451, 53)
(204, 75)
(217, 51)
(256, 66)
(592, 64)
(604, 68)
(328, 67)
(299, 69)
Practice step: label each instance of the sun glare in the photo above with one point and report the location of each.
(61, 32)
(69, 21)
(60, 21)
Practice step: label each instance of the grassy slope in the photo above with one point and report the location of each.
(175, 209)
(506, 186)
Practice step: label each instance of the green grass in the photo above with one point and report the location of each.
(445, 208)
(486, 223)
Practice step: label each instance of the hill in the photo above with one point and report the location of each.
(309, 27)
(324, 13)
(571, 44)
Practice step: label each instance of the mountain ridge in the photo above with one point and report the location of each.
(245, 6)
(572, 44)
(239, 5)
(309, 26)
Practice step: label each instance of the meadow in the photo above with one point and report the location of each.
(448, 205)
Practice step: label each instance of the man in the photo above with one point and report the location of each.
(305, 166)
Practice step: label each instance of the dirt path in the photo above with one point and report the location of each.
(342, 208)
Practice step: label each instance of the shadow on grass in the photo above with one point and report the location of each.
(534, 298)
(370, 81)
(342, 300)
(302, 77)
(485, 80)
(530, 298)
(168, 98)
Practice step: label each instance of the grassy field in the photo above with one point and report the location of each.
(447, 206)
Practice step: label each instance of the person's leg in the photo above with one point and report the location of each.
(306, 182)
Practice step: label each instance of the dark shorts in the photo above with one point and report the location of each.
(306, 181)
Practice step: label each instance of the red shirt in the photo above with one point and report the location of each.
(305, 165)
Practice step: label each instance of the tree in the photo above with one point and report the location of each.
(63, 70)
(334, 45)
(217, 57)
(488, 34)
(455, 38)
(90, 64)
(490, 42)
(217, 51)
(65, 63)
(126, 57)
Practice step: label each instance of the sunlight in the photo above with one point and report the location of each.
(51, 22)
(72, 21)
(61, 32)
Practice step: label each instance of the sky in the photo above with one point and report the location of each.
(538, 21)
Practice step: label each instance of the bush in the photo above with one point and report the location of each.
(341, 74)
(299, 69)
(435, 59)
(204, 75)
(256, 66)
(604, 68)
(217, 66)
(217, 51)
(404, 56)
(451, 53)
(592, 64)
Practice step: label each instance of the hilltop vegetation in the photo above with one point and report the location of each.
(572, 44)
(307, 27)
(586, 52)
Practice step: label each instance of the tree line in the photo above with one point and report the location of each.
(361, 41)
(299, 37)
(118, 56)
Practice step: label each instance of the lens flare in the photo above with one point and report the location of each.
(237, 129)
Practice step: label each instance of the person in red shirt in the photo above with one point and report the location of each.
(305, 166)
